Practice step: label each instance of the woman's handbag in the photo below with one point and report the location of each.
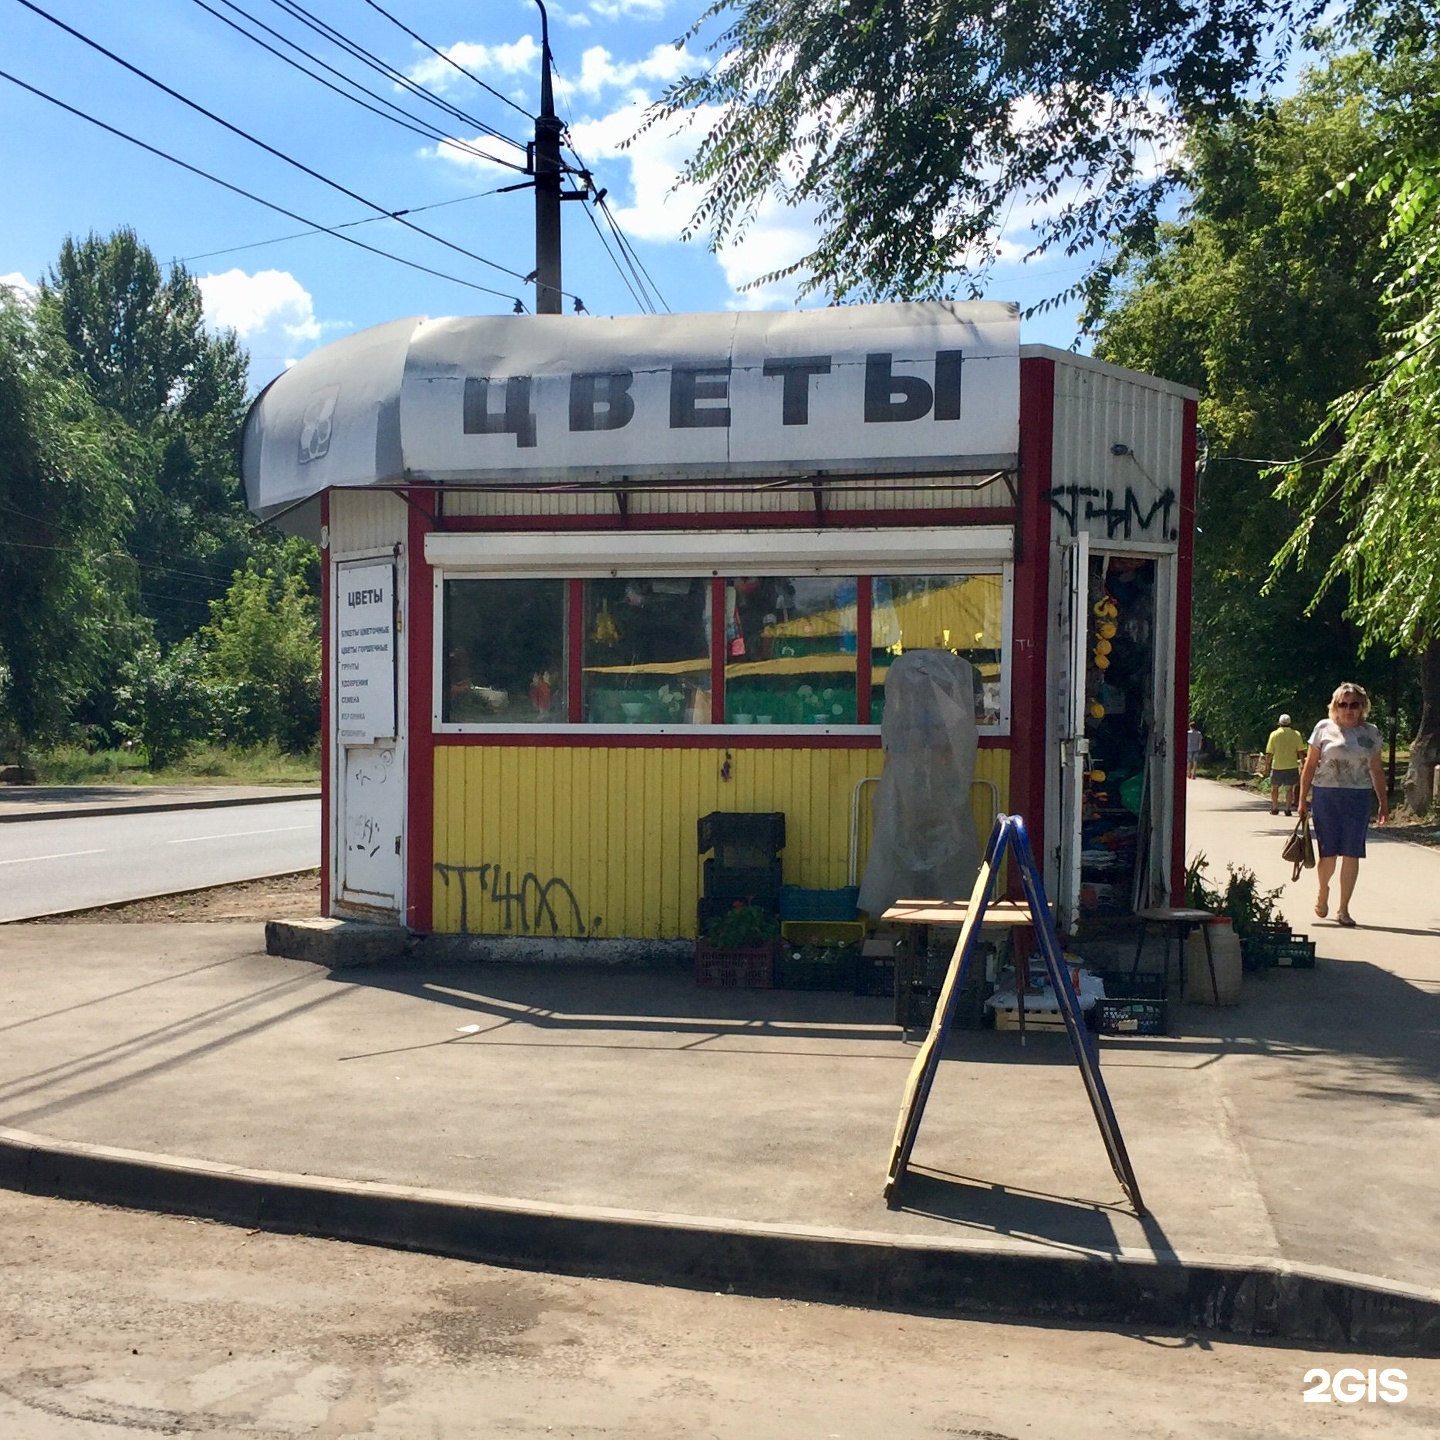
(1300, 847)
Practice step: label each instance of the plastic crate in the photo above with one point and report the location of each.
(758, 883)
(752, 968)
(797, 903)
(762, 830)
(915, 1004)
(1037, 1020)
(1296, 953)
(823, 932)
(804, 972)
(1129, 1016)
(1143, 985)
(875, 975)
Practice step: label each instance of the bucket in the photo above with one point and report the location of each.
(1225, 950)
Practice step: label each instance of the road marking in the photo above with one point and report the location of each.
(66, 855)
(239, 834)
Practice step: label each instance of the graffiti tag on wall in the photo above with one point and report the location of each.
(1126, 514)
(534, 907)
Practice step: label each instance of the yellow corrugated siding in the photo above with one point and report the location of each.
(613, 828)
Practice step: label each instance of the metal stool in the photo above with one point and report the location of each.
(1177, 923)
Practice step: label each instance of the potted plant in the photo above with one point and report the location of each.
(737, 948)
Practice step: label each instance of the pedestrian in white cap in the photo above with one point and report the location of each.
(1284, 754)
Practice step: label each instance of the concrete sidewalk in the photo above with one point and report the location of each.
(66, 802)
(1299, 1132)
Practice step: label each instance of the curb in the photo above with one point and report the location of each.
(163, 895)
(1261, 1300)
(90, 812)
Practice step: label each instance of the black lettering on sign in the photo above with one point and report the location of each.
(1127, 514)
(947, 383)
(607, 388)
(515, 419)
(796, 371)
(690, 384)
(890, 397)
(364, 597)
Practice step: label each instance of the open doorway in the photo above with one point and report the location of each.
(1118, 800)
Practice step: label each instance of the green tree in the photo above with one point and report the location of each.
(913, 126)
(66, 581)
(1381, 484)
(262, 653)
(138, 340)
(1266, 299)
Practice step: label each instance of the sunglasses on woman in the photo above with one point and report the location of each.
(1347, 704)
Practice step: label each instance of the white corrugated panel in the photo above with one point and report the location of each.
(362, 520)
(1128, 497)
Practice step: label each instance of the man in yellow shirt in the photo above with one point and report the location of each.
(1284, 753)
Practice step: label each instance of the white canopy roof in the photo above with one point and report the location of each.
(867, 389)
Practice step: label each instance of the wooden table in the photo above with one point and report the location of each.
(1177, 921)
(922, 914)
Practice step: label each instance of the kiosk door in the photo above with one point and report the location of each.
(370, 773)
(1074, 747)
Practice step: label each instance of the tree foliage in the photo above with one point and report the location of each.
(1373, 467)
(914, 126)
(1266, 299)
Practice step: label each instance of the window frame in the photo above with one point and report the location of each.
(697, 555)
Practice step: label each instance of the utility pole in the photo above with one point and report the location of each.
(548, 171)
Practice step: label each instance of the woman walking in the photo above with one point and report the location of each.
(1342, 767)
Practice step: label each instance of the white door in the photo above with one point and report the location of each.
(370, 759)
(1074, 639)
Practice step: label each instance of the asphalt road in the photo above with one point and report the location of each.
(47, 866)
(116, 1326)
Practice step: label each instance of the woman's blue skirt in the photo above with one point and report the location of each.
(1341, 820)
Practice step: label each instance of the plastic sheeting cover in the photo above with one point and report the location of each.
(925, 846)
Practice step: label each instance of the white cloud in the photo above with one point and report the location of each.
(521, 57)
(600, 71)
(486, 154)
(271, 312)
(660, 207)
(629, 9)
(19, 287)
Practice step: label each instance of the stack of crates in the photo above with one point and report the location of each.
(745, 863)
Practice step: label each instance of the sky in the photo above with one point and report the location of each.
(285, 292)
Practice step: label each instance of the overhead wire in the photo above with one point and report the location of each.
(400, 116)
(383, 67)
(269, 149)
(346, 225)
(448, 59)
(250, 195)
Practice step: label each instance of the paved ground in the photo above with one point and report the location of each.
(66, 861)
(132, 1323)
(34, 802)
(1303, 1125)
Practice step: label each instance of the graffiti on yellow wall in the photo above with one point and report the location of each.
(533, 907)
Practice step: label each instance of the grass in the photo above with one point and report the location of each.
(205, 765)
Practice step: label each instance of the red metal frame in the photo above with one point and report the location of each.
(326, 749)
(1184, 578)
(419, 619)
(1032, 598)
(736, 520)
(864, 599)
(575, 659)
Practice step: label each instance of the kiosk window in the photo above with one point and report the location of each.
(790, 648)
(646, 652)
(960, 613)
(505, 647)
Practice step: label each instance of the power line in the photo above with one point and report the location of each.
(269, 149)
(382, 67)
(642, 276)
(614, 260)
(248, 195)
(400, 117)
(420, 40)
(347, 225)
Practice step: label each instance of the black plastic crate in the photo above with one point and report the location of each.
(875, 975)
(1143, 985)
(755, 830)
(1296, 953)
(1129, 1016)
(751, 882)
(799, 971)
(915, 1004)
